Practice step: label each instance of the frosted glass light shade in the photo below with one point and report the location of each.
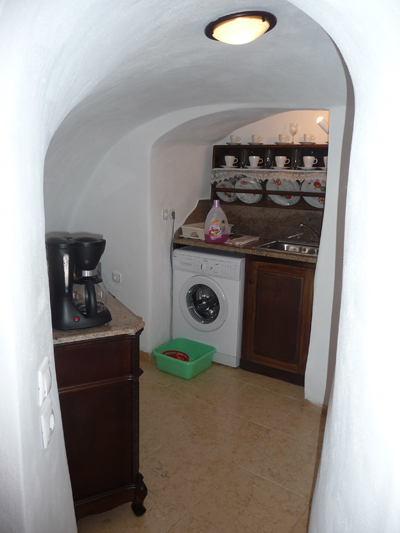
(322, 123)
(240, 28)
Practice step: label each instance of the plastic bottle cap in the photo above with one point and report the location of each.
(216, 203)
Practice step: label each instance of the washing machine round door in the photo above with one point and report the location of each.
(203, 303)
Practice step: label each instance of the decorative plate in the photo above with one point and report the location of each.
(245, 183)
(226, 196)
(280, 184)
(314, 186)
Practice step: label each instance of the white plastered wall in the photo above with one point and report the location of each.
(358, 486)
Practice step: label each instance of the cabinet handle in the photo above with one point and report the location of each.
(251, 280)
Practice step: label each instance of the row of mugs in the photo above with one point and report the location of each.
(280, 161)
(308, 138)
(254, 138)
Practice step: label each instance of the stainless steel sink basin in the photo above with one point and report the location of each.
(291, 247)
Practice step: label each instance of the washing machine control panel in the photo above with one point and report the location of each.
(212, 267)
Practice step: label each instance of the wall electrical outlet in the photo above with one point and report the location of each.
(116, 277)
(44, 380)
(47, 421)
(165, 214)
(172, 213)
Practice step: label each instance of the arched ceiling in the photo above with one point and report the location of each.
(146, 59)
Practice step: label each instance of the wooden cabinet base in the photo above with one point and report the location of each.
(98, 385)
(271, 372)
(135, 493)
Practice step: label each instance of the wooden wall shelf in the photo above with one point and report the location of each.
(264, 172)
(295, 152)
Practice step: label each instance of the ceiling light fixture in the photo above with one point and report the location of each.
(240, 28)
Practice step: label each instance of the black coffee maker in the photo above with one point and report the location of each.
(77, 294)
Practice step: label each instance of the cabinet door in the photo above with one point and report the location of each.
(277, 316)
(97, 422)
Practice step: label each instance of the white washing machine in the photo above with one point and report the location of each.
(208, 290)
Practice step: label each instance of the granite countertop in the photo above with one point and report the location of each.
(123, 322)
(248, 249)
(263, 222)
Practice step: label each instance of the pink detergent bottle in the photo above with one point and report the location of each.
(216, 229)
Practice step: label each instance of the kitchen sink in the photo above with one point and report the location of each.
(291, 247)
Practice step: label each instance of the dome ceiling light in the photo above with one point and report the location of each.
(240, 28)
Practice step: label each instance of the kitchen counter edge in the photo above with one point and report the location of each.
(250, 249)
(123, 322)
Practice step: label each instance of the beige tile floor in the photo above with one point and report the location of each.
(227, 451)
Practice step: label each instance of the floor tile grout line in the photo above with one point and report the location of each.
(308, 499)
(291, 412)
(275, 392)
(297, 439)
(307, 511)
(258, 423)
(188, 513)
(235, 467)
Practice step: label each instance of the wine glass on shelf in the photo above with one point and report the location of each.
(293, 129)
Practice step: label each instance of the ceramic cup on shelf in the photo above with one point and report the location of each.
(281, 161)
(309, 161)
(326, 161)
(256, 138)
(309, 137)
(230, 160)
(234, 138)
(255, 160)
(283, 138)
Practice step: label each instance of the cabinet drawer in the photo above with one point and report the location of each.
(87, 362)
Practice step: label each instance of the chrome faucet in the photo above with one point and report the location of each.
(312, 231)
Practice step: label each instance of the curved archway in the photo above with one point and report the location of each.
(39, 66)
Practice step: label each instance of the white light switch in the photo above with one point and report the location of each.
(44, 380)
(47, 421)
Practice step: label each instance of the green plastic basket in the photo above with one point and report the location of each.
(194, 357)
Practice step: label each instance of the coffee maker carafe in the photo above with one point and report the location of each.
(76, 302)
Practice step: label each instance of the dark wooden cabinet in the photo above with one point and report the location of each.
(277, 317)
(98, 384)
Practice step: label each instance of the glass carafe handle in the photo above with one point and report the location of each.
(90, 299)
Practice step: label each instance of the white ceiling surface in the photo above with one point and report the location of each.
(140, 72)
